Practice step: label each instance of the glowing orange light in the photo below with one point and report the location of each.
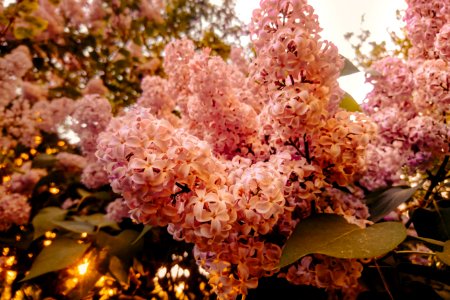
(47, 243)
(33, 151)
(10, 261)
(18, 162)
(53, 190)
(61, 143)
(82, 268)
(37, 139)
(50, 151)
(10, 276)
(25, 156)
(50, 234)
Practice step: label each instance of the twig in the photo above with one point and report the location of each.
(434, 182)
(383, 280)
(414, 252)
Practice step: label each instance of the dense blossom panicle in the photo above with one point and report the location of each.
(70, 162)
(94, 175)
(14, 209)
(55, 20)
(117, 210)
(176, 59)
(91, 115)
(429, 135)
(49, 115)
(213, 107)
(424, 19)
(157, 97)
(95, 86)
(290, 52)
(340, 146)
(216, 114)
(433, 83)
(410, 99)
(384, 164)
(259, 198)
(327, 272)
(34, 92)
(23, 182)
(442, 42)
(392, 79)
(16, 64)
(16, 116)
(239, 60)
(150, 162)
(151, 9)
(347, 204)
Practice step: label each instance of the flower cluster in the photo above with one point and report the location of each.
(14, 209)
(189, 156)
(91, 115)
(16, 115)
(424, 22)
(410, 99)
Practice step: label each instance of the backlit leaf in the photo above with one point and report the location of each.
(43, 221)
(349, 104)
(445, 255)
(98, 220)
(349, 67)
(75, 226)
(60, 254)
(143, 232)
(382, 202)
(44, 161)
(331, 235)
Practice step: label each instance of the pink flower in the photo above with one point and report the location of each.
(117, 210)
(24, 181)
(94, 175)
(14, 209)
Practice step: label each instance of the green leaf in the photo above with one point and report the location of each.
(44, 161)
(22, 33)
(428, 241)
(36, 23)
(382, 202)
(349, 104)
(75, 226)
(349, 67)
(83, 193)
(143, 232)
(98, 220)
(331, 235)
(118, 270)
(27, 6)
(445, 255)
(120, 245)
(43, 221)
(60, 254)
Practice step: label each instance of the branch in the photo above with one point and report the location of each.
(435, 180)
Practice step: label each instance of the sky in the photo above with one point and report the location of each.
(338, 17)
